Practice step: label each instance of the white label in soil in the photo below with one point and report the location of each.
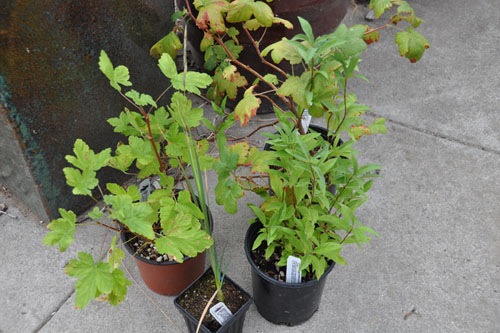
(306, 120)
(221, 312)
(293, 274)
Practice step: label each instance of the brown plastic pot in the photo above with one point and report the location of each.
(166, 278)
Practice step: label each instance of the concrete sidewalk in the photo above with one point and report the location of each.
(436, 266)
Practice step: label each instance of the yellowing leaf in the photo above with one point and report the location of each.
(210, 15)
(242, 149)
(411, 44)
(247, 107)
(62, 230)
(170, 44)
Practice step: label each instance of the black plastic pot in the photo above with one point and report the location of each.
(233, 325)
(280, 302)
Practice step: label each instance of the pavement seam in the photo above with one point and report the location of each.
(437, 135)
(54, 312)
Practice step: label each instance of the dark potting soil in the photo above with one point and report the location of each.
(270, 266)
(196, 298)
(146, 249)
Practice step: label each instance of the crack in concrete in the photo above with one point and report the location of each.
(437, 135)
(53, 313)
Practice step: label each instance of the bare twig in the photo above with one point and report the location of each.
(205, 311)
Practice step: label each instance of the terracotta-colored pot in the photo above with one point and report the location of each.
(168, 278)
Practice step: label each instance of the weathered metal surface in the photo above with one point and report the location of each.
(51, 89)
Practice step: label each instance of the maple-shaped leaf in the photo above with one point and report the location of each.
(296, 87)
(191, 82)
(62, 230)
(140, 99)
(86, 159)
(406, 12)
(170, 44)
(83, 182)
(122, 123)
(94, 279)
(283, 49)
(123, 158)
(260, 160)
(228, 81)
(227, 193)
(242, 149)
(117, 76)
(117, 295)
(210, 14)
(247, 107)
(380, 6)
(137, 216)
(146, 160)
(411, 44)
(182, 112)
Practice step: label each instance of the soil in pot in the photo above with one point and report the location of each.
(195, 298)
(161, 274)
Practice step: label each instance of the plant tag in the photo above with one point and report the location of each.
(306, 120)
(293, 274)
(147, 186)
(221, 312)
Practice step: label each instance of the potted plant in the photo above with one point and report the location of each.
(213, 302)
(164, 226)
(315, 182)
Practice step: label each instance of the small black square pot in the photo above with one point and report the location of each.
(233, 325)
(280, 302)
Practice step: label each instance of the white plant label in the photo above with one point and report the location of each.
(306, 120)
(221, 312)
(293, 274)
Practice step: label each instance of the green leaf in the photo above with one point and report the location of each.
(191, 82)
(182, 113)
(306, 27)
(86, 159)
(411, 44)
(227, 193)
(82, 182)
(62, 230)
(137, 216)
(167, 66)
(116, 76)
(169, 44)
(141, 99)
(95, 279)
(96, 213)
